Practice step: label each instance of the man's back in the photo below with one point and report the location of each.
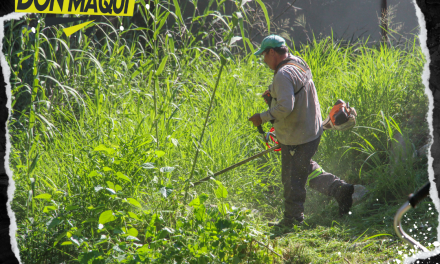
(297, 117)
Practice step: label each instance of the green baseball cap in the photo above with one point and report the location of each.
(271, 41)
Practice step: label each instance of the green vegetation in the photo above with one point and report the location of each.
(105, 134)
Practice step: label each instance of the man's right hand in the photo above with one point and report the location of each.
(256, 119)
(266, 92)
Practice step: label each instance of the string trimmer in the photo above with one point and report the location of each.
(341, 117)
(412, 202)
(270, 134)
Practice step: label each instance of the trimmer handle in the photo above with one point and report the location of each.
(414, 199)
(271, 134)
(268, 98)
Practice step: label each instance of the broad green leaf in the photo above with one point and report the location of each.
(59, 237)
(90, 220)
(89, 257)
(71, 207)
(148, 165)
(165, 232)
(133, 215)
(116, 248)
(169, 230)
(166, 169)
(266, 15)
(54, 222)
(159, 153)
(203, 197)
(107, 169)
(221, 192)
(65, 243)
(163, 191)
(162, 65)
(104, 148)
(144, 249)
(118, 188)
(101, 147)
(199, 200)
(110, 190)
(118, 231)
(222, 207)
(106, 216)
(75, 240)
(134, 202)
(195, 203)
(122, 176)
(133, 232)
(110, 185)
(131, 238)
(93, 174)
(44, 196)
(200, 213)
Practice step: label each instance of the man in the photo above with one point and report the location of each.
(298, 125)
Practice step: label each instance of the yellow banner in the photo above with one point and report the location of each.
(80, 7)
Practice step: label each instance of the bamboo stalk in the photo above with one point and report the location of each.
(203, 130)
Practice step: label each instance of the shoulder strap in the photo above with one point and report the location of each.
(305, 69)
(301, 67)
(299, 90)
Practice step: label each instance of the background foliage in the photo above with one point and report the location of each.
(105, 128)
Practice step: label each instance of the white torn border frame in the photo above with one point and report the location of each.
(433, 192)
(425, 76)
(11, 185)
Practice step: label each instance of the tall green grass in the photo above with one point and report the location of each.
(104, 138)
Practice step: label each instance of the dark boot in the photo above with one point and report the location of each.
(343, 194)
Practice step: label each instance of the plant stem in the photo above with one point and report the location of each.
(155, 111)
(203, 131)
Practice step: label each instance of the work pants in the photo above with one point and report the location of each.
(297, 165)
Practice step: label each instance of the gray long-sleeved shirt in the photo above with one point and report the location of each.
(297, 118)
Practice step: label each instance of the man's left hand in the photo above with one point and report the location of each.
(256, 119)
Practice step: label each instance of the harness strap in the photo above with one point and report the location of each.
(307, 70)
(314, 174)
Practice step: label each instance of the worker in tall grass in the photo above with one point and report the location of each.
(296, 116)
